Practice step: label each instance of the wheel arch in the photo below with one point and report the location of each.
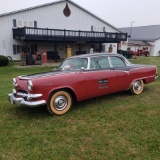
(144, 81)
(69, 90)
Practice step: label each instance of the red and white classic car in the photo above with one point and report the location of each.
(79, 78)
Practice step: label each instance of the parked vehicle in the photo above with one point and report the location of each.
(79, 78)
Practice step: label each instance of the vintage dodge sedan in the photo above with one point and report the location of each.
(79, 78)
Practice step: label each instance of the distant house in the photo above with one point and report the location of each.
(144, 37)
(54, 27)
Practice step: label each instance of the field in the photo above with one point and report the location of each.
(119, 126)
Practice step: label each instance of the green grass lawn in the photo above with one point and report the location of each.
(120, 126)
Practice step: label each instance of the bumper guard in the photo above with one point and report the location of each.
(156, 77)
(21, 102)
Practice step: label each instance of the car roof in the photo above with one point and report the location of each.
(95, 54)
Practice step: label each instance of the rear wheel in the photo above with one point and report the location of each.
(137, 87)
(59, 103)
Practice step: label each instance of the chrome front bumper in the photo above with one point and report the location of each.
(21, 102)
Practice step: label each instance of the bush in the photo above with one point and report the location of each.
(3, 61)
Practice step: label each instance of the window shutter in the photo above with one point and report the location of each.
(14, 23)
(35, 24)
(104, 29)
(92, 28)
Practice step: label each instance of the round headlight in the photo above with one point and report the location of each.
(30, 85)
(14, 82)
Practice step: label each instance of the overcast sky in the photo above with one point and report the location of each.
(119, 13)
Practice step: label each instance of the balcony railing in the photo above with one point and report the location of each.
(41, 34)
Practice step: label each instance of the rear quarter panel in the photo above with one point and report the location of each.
(147, 73)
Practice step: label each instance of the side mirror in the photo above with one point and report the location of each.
(82, 69)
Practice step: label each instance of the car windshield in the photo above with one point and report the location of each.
(74, 64)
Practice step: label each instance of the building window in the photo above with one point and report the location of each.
(98, 29)
(24, 23)
(26, 49)
(19, 49)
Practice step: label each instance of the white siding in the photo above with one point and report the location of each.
(50, 16)
(152, 48)
(6, 37)
(156, 49)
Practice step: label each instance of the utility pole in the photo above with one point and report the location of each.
(131, 28)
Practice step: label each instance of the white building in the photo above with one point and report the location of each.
(144, 37)
(53, 27)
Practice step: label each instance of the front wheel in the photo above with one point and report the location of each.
(59, 103)
(137, 87)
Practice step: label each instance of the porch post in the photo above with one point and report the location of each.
(79, 48)
(55, 52)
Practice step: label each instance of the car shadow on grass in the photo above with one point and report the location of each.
(100, 104)
(33, 113)
(109, 100)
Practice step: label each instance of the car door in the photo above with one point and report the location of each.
(123, 80)
(100, 79)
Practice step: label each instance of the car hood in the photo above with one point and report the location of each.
(45, 74)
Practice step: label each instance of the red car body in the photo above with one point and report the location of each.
(92, 75)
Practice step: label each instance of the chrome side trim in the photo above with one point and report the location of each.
(23, 77)
(122, 71)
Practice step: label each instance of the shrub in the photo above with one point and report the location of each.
(3, 61)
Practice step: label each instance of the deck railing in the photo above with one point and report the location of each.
(28, 33)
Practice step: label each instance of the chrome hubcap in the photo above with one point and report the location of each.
(60, 103)
(137, 86)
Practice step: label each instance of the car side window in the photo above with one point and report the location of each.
(74, 63)
(117, 62)
(100, 63)
(81, 62)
